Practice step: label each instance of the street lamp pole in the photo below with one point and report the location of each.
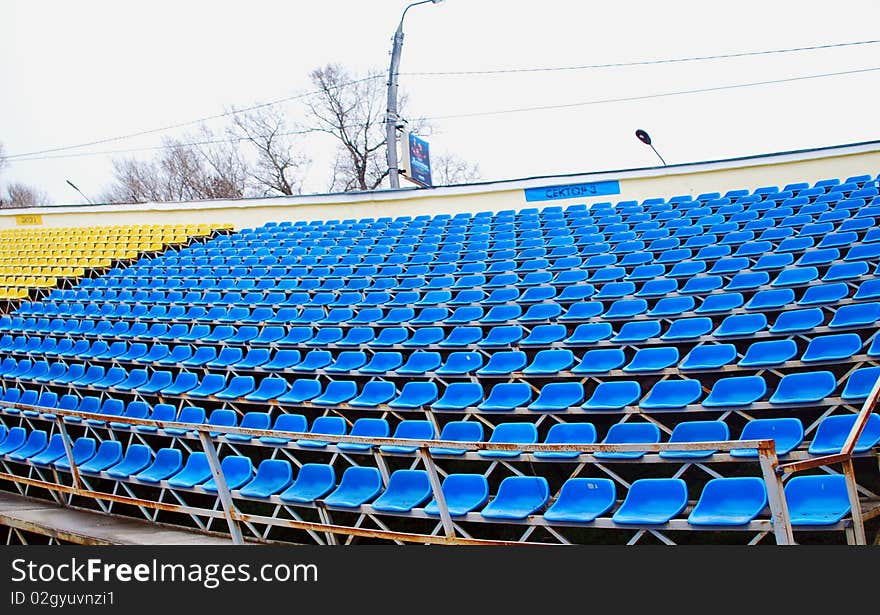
(391, 116)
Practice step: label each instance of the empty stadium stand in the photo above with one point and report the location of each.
(666, 370)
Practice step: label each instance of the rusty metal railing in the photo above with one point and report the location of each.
(767, 458)
(844, 457)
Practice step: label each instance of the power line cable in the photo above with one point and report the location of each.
(649, 96)
(150, 131)
(539, 69)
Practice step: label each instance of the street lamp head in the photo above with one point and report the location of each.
(643, 136)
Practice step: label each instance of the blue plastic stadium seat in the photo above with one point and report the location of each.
(567, 433)
(817, 500)
(273, 476)
(769, 353)
(463, 493)
(406, 489)
(325, 426)
(188, 414)
(736, 391)
(729, 501)
(109, 453)
(461, 363)
(652, 359)
(458, 431)
(558, 396)
(600, 361)
(459, 396)
(283, 359)
(582, 500)
(510, 433)
(420, 362)
(168, 462)
(83, 450)
(542, 335)
(834, 430)
(629, 433)
(696, 431)
(357, 486)
(137, 457)
(589, 333)
(517, 498)
(832, 347)
(860, 382)
(856, 315)
(290, 423)
(687, 329)
(741, 325)
(668, 394)
(804, 387)
(314, 481)
(337, 392)
(368, 428)
(788, 433)
(194, 472)
(507, 396)
(54, 451)
(709, 357)
(798, 320)
(382, 362)
(548, 362)
(414, 429)
(652, 501)
(613, 395)
(825, 293)
(415, 395)
(301, 390)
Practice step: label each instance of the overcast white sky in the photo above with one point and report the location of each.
(73, 72)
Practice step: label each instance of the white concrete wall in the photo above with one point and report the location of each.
(693, 179)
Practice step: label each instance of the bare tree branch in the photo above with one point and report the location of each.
(279, 166)
(22, 195)
(448, 169)
(186, 169)
(351, 110)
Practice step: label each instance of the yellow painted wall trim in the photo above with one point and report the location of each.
(635, 184)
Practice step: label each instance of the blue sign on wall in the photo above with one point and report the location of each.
(419, 160)
(572, 191)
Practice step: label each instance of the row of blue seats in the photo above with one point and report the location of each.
(657, 242)
(788, 432)
(592, 256)
(855, 216)
(595, 256)
(718, 303)
(793, 389)
(235, 307)
(765, 354)
(584, 241)
(740, 270)
(812, 500)
(598, 212)
(701, 328)
(503, 289)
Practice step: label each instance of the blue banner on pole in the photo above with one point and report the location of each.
(420, 160)
(572, 191)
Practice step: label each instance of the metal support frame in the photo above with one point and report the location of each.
(437, 489)
(222, 488)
